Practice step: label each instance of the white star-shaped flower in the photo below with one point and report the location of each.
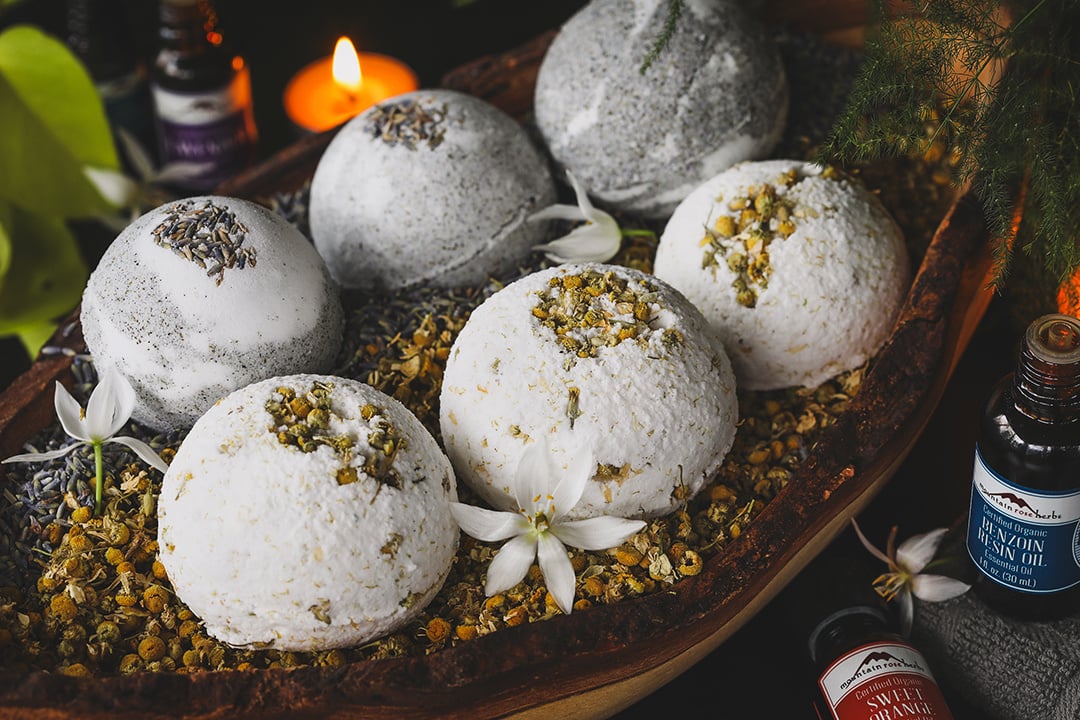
(537, 530)
(906, 577)
(107, 410)
(598, 240)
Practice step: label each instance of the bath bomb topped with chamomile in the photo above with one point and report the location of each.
(798, 267)
(202, 296)
(431, 187)
(716, 95)
(307, 512)
(597, 359)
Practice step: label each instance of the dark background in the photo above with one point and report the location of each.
(433, 36)
(279, 38)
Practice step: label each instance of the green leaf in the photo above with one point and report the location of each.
(35, 335)
(46, 277)
(6, 223)
(54, 125)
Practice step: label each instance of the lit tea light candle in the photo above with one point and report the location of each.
(332, 90)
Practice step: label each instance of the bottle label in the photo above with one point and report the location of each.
(213, 131)
(882, 681)
(1024, 539)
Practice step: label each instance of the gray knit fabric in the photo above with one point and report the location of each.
(1011, 670)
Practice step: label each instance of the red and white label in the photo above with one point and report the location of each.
(882, 681)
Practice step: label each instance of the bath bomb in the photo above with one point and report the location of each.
(307, 512)
(641, 142)
(600, 359)
(432, 187)
(204, 295)
(798, 268)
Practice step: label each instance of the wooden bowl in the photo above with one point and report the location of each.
(595, 662)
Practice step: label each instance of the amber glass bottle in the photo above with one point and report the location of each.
(202, 96)
(861, 665)
(1024, 521)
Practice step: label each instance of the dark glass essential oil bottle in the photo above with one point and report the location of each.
(859, 666)
(1024, 521)
(866, 670)
(202, 97)
(99, 33)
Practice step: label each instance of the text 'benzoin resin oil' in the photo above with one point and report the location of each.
(1024, 521)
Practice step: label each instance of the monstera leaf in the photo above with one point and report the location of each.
(54, 131)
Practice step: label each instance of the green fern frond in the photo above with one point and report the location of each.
(675, 8)
(1018, 137)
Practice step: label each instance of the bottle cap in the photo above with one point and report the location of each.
(1055, 338)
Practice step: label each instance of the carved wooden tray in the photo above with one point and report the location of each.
(596, 662)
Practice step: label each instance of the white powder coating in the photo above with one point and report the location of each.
(836, 283)
(263, 544)
(388, 214)
(183, 340)
(640, 143)
(659, 410)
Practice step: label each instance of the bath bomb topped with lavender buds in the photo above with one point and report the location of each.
(202, 296)
(641, 141)
(799, 269)
(305, 513)
(600, 359)
(429, 188)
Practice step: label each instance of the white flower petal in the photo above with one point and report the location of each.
(41, 457)
(488, 525)
(116, 188)
(572, 485)
(558, 212)
(558, 572)
(533, 478)
(935, 588)
(917, 550)
(136, 154)
(180, 171)
(598, 533)
(143, 450)
(510, 564)
(105, 410)
(69, 412)
(582, 195)
(866, 544)
(595, 242)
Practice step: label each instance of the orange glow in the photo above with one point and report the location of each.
(346, 65)
(214, 37)
(331, 91)
(1068, 299)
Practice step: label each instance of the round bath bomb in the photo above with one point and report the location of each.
(432, 187)
(798, 268)
(204, 295)
(602, 360)
(307, 512)
(641, 142)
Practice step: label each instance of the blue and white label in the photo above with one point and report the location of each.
(1024, 539)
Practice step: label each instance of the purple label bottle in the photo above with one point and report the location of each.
(202, 97)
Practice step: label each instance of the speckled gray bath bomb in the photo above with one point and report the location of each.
(432, 187)
(717, 95)
(184, 335)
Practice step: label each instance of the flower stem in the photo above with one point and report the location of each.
(100, 478)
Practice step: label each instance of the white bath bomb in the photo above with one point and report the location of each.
(432, 187)
(640, 142)
(204, 295)
(798, 268)
(603, 360)
(307, 512)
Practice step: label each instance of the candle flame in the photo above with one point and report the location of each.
(346, 67)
